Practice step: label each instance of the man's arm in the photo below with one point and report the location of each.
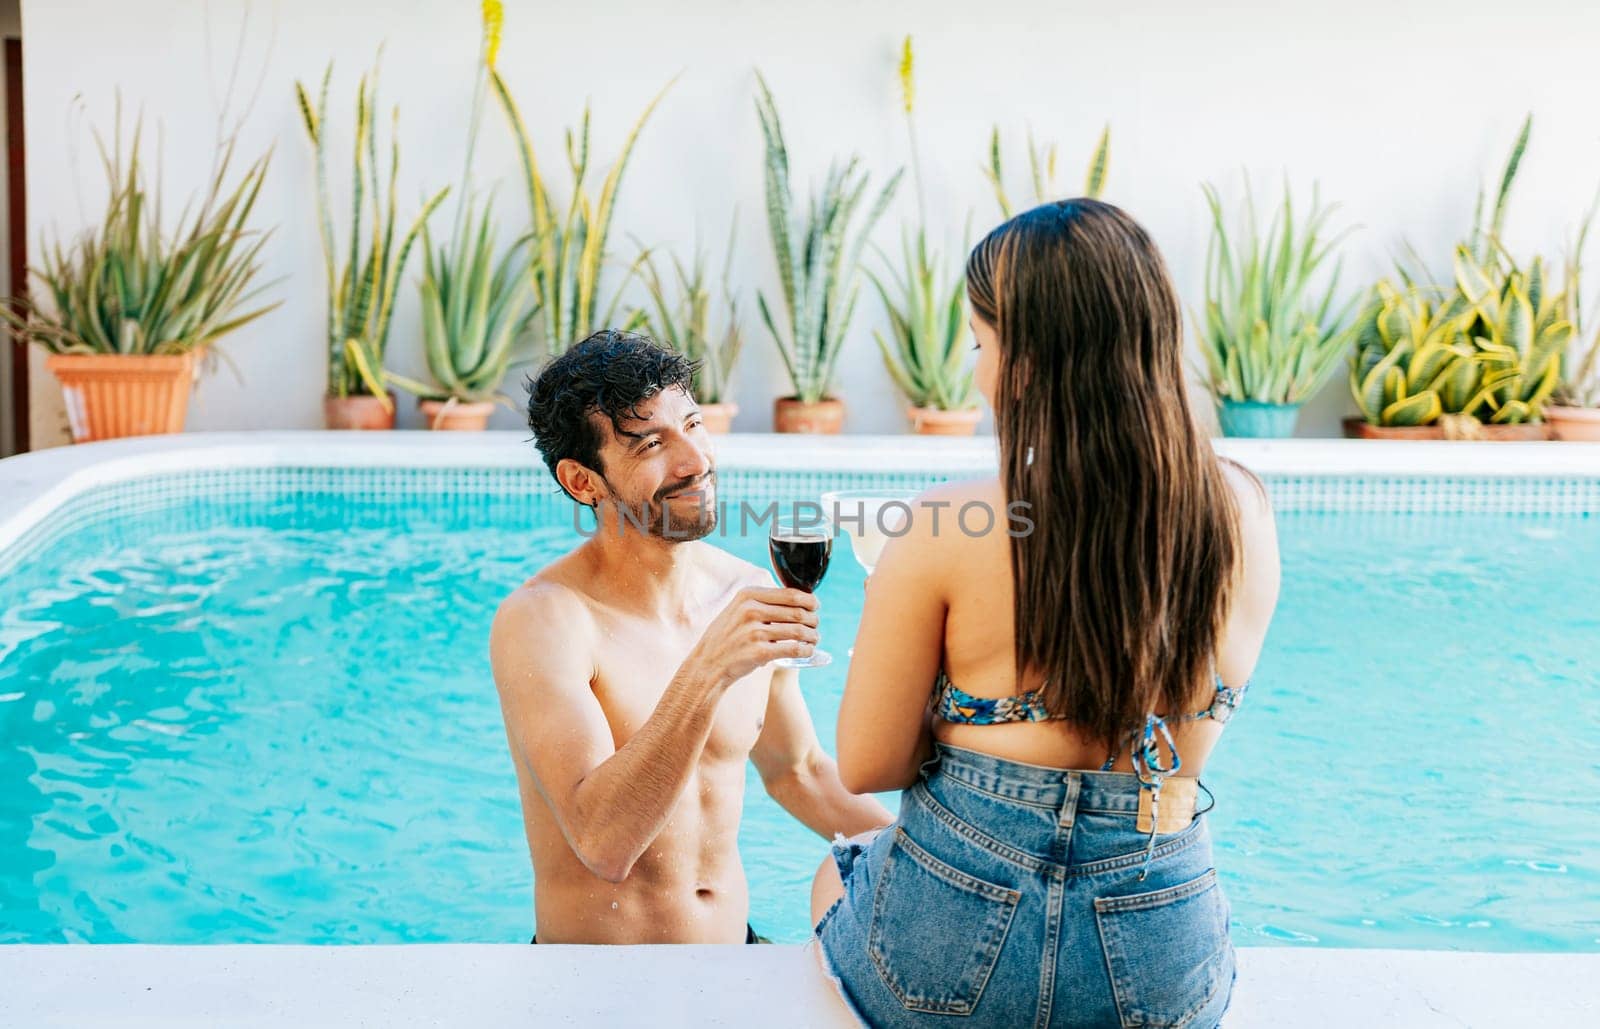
(799, 774)
(612, 802)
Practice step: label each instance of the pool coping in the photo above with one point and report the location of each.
(491, 985)
(35, 484)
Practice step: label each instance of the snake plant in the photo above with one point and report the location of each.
(680, 317)
(568, 255)
(1042, 171)
(924, 300)
(1486, 347)
(125, 287)
(818, 257)
(1580, 386)
(1267, 333)
(1518, 322)
(1413, 361)
(361, 292)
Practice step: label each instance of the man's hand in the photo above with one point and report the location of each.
(760, 625)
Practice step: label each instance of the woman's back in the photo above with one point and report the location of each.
(974, 572)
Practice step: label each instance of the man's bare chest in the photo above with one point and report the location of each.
(637, 665)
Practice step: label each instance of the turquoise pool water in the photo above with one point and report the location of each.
(265, 715)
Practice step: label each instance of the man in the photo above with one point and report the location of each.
(634, 672)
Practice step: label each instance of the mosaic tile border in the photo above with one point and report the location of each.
(468, 496)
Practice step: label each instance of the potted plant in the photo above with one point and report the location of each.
(1575, 416)
(925, 305)
(1270, 340)
(131, 310)
(1477, 359)
(1042, 171)
(567, 257)
(1474, 362)
(361, 292)
(685, 324)
(1574, 413)
(817, 268)
(474, 307)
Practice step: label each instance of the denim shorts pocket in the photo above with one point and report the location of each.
(1168, 953)
(936, 931)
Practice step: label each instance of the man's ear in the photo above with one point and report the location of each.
(582, 484)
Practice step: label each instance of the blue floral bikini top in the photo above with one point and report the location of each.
(953, 704)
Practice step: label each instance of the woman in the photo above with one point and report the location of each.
(1050, 864)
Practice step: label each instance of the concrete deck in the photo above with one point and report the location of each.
(502, 985)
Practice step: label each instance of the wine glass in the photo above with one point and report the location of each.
(862, 517)
(866, 519)
(800, 549)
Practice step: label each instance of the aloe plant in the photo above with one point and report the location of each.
(818, 257)
(924, 299)
(680, 317)
(1042, 171)
(927, 359)
(474, 306)
(361, 291)
(568, 255)
(126, 287)
(1268, 334)
(473, 309)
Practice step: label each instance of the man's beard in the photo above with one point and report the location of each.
(680, 525)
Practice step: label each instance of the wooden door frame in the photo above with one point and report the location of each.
(17, 210)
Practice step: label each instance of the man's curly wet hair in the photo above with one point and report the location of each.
(610, 373)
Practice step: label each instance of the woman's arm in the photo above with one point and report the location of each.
(884, 732)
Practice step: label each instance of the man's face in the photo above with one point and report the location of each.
(660, 465)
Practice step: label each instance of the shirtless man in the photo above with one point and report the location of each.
(634, 672)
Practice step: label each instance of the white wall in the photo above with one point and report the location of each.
(1399, 107)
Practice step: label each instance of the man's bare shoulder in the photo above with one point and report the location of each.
(731, 571)
(539, 622)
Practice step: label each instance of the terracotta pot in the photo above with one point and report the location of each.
(109, 396)
(931, 421)
(1527, 432)
(1574, 424)
(718, 418)
(825, 417)
(460, 416)
(358, 411)
(1357, 428)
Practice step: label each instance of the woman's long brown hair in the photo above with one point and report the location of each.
(1123, 586)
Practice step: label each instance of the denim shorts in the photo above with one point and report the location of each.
(1011, 895)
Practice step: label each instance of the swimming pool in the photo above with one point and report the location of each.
(254, 705)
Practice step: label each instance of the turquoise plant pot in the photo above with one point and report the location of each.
(1255, 420)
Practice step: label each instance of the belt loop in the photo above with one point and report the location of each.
(1069, 801)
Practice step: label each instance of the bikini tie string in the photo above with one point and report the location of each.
(1144, 752)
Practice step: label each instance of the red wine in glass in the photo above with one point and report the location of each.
(800, 554)
(800, 561)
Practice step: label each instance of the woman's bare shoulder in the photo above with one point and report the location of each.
(1256, 595)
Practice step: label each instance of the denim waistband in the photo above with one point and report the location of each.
(1036, 784)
